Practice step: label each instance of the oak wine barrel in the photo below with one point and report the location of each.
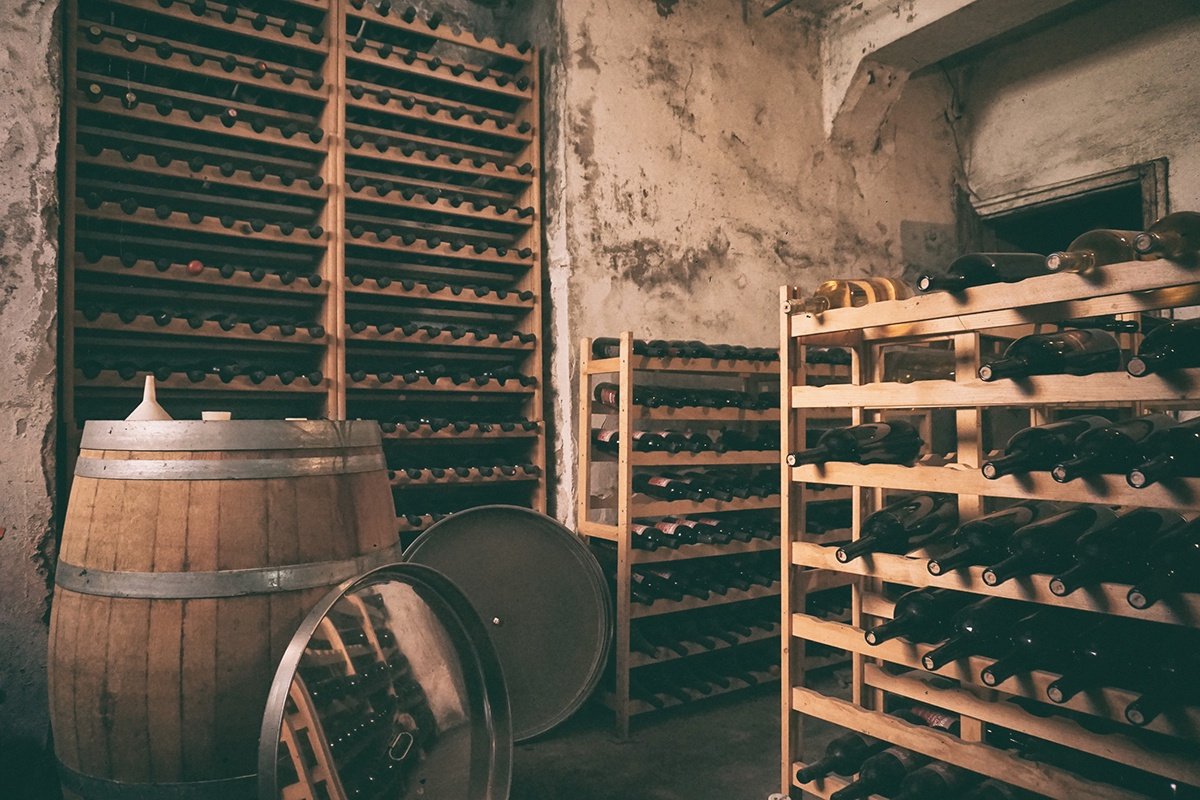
(190, 554)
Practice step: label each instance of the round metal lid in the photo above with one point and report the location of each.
(543, 598)
(390, 689)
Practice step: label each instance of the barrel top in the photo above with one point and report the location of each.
(186, 435)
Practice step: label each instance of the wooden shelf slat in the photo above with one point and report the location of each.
(212, 21)
(448, 436)
(453, 479)
(707, 458)
(445, 386)
(211, 383)
(825, 787)
(441, 205)
(419, 294)
(1108, 703)
(444, 339)
(145, 326)
(637, 659)
(1105, 598)
(687, 552)
(696, 413)
(691, 603)
(1105, 387)
(643, 506)
(700, 366)
(178, 220)
(637, 707)
(1183, 494)
(209, 278)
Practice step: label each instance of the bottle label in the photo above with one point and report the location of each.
(639, 435)
(608, 397)
(716, 523)
(607, 436)
(660, 481)
(934, 718)
(668, 527)
(636, 528)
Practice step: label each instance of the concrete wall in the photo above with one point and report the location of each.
(689, 177)
(1115, 86)
(30, 95)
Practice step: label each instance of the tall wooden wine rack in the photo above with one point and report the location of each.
(892, 671)
(311, 208)
(608, 506)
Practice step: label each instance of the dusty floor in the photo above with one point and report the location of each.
(721, 749)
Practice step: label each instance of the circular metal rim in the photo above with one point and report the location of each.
(242, 434)
(484, 658)
(598, 583)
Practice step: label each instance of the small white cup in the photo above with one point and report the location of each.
(216, 416)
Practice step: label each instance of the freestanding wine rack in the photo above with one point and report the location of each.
(312, 208)
(608, 506)
(1167, 746)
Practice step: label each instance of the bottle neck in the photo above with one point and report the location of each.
(1146, 708)
(1068, 686)
(853, 791)
(1005, 465)
(1153, 471)
(853, 550)
(951, 282)
(1010, 567)
(888, 630)
(813, 455)
(1002, 669)
(1072, 468)
(954, 648)
(1075, 578)
(960, 556)
(1071, 261)
(1151, 590)
(818, 769)
(1147, 363)
(1009, 367)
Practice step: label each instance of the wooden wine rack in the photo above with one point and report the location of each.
(610, 518)
(347, 166)
(968, 320)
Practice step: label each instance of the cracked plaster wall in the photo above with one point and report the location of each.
(30, 95)
(690, 177)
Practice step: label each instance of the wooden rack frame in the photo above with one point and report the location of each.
(966, 320)
(417, 211)
(628, 370)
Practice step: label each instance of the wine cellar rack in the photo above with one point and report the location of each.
(312, 208)
(892, 671)
(608, 507)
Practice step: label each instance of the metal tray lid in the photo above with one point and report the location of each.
(542, 597)
(390, 689)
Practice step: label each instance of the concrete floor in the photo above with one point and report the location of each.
(726, 748)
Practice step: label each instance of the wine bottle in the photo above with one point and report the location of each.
(995, 790)
(882, 773)
(1041, 446)
(676, 533)
(843, 756)
(976, 629)
(1047, 545)
(1116, 552)
(985, 539)
(1177, 453)
(1037, 641)
(895, 442)
(1072, 352)
(652, 587)
(1175, 345)
(1118, 447)
(1173, 566)
(936, 781)
(848, 293)
(920, 615)
(1174, 236)
(1093, 249)
(894, 528)
(979, 269)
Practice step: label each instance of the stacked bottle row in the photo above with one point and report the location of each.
(1175, 236)
(706, 674)
(197, 159)
(867, 766)
(441, 265)
(610, 347)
